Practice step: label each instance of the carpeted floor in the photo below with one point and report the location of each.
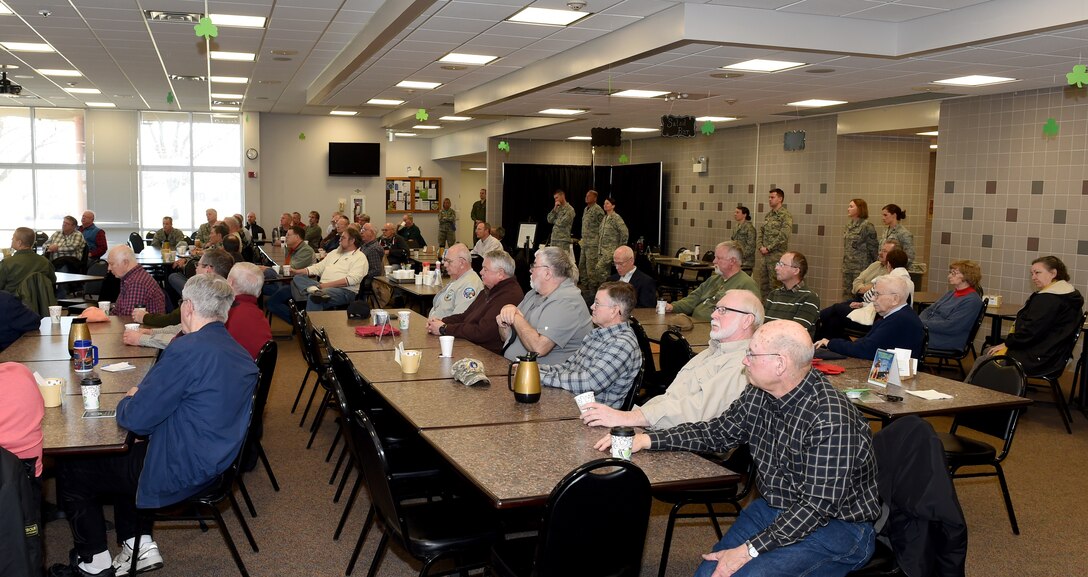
(1045, 470)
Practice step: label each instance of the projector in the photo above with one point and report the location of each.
(8, 87)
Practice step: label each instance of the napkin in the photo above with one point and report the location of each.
(116, 367)
(930, 395)
(373, 331)
(94, 315)
(827, 368)
(38, 378)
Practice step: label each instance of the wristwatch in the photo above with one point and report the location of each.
(752, 552)
(442, 329)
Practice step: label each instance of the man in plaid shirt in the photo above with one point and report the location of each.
(137, 287)
(814, 455)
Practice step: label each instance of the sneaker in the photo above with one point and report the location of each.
(318, 296)
(72, 569)
(149, 559)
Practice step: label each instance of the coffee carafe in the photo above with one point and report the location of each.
(526, 382)
(78, 332)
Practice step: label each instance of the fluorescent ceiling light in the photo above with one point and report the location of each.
(547, 16)
(385, 102)
(58, 72)
(456, 118)
(759, 65)
(343, 112)
(233, 20)
(476, 59)
(232, 56)
(563, 111)
(230, 79)
(426, 127)
(101, 104)
(933, 147)
(975, 80)
(579, 138)
(83, 90)
(478, 168)
(641, 93)
(714, 118)
(637, 129)
(815, 103)
(4, 10)
(404, 134)
(418, 84)
(226, 96)
(225, 108)
(27, 47)
(930, 133)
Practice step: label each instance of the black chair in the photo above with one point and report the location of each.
(948, 355)
(298, 318)
(320, 350)
(675, 353)
(253, 449)
(40, 238)
(429, 530)
(149, 236)
(636, 384)
(616, 538)
(1051, 378)
(1004, 374)
(651, 386)
(732, 495)
(136, 242)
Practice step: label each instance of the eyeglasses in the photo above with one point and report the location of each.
(598, 304)
(448, 261)
(780, 263)
(748, 354)
(722, 310)
(535, 266)
(954, 271)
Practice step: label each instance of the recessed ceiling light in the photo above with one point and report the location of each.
(384, 102)
(930, 133)
(455, 118)
(58, 72)
(224, 108)
(426, 127)
(480, 168)
(233, 20)
(759, 65)
(714, 118)
(404, 134)
(637, 129)
(975, 80)
(547, 16)
(230, 79)
(83, 90)
(563, 111)
(457, 58)
(343, 112)
(641, 93)
(226, 96)
(815, 103)
(101, 104)
(232, 56)
(933, 147)
(579, 138)
(27, 46)
(418, 84)
(4, 10)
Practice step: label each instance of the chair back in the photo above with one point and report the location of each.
(1000, 373)
(623, 491)
(412, 243)
(40, 238)
(136, 242)
(675, 353)
(266, 367)
(96, 268)
(649, 376)
(629, 398)
(375, 467)
(351, 384)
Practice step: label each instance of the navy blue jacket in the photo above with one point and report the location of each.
(902, 330)
(194, 406)
(645, 288)
(17, 319)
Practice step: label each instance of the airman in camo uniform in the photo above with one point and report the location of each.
(859, 244)
(561, 218)
(591, 233)
(447, 225)
(774, 239)
(613, 236)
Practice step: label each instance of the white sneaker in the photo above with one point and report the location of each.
(149, 559)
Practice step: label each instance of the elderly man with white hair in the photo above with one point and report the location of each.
(897, 326)
(463, 287)
(137, 287)
(626, 271)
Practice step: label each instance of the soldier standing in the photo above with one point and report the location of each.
(613, 236)
(447, 225)
(859, 245)
(591, 233)
(561, 218)
(774, 239)
(745, 237)
(479, 208)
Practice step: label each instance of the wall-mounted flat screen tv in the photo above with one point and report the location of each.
(354, 159)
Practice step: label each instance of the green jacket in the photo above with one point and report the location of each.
(561, 219)
(22, 264)
(700, 303)
(775, 232)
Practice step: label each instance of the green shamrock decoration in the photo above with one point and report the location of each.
(707, 128)
(247, 117)
(421, 114)
(169, 97)
(504, 146)
(624, 159)
(1078, 76)
(1050, 128)
(206, 29)
(302, 136)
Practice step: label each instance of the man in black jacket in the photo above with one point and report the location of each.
(645, 287)
(17, 319)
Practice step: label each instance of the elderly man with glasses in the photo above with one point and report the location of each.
(137, 286)
(897, 326)
(700, 302)
(793, 301)
(463, 287)
(645, 287)
(477, 323)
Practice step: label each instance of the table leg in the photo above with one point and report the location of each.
(995, 331)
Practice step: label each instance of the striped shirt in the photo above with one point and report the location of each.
(800, 304)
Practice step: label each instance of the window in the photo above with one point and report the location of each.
(188, 164)
(43, 174)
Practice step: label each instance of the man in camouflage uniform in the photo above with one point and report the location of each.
(774, 239)
(447, 225)
(613, 236)
(561, 218)
(479, 208)
(591, 233)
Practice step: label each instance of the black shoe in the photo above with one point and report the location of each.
(72, 569)
(319, 297)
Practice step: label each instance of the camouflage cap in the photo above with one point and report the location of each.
(470, 372)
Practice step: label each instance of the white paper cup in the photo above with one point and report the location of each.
(381, 317)
(583, 400)
(419, 279)
(388, 269)
(90, 396)
(660, 307)
(409, 362)
(404, 317)
(446, 342)
(105, 306)
(132, 326)
(54, 314)
(623, 439)
(138, 309)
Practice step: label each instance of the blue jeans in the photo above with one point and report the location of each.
(832, 550)
(337, 296)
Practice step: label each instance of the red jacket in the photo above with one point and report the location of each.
(248, 325)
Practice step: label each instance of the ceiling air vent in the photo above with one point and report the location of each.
(178, 17)
(184, 77)
(590, 91)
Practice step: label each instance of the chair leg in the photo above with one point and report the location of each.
(360, 541)
(1008, 498)
(335, 441)
(245, 496)
(344, 480)
(714, 520)
(668, 540)
(310, 402)
(1063, 408)
(241, 521)
(319, 417)
(267, 467)
(339, 462)
(226, 535)
(301, 388)
(377, 562)
(347, 507)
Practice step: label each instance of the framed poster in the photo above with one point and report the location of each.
(358, 207)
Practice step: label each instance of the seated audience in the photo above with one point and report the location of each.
(645, 287)
(793, 301)
(708, 383)
(94, 236)
(552, 319)
(837, 318)
(65, 247)
(137, 286)
(952, 317)
(727, 275)
(203, 233)
(330, 242)
(463, 287)
(896, 326)
(372, 249)
(23, 262)
(216, 261)
(609, 359)
(340, 273)
(394, 245)
(256, 231)
(410, 232)
(486, 241)
(313, 230)
(281, 230)
(167, 234)
(477, 323)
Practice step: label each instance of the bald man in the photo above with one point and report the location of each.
(624, 260)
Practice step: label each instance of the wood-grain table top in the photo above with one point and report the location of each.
(67, 432)
(112, 382)
(115, 325)
(55, 348)
(379, 366)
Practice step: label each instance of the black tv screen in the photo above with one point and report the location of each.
(354, 159)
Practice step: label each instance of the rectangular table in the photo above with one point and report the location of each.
(67, 432)
(422, 296)
(119, 382)
(70, 277)
(519, 464)
(341, 332)
(379, 366)
(55, 348)
(115, 326)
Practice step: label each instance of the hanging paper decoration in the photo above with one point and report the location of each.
(302, 136)
(1050, 128)
(707, 128)
(247, 117)
(421, 114)
(1078, 76)
(169, 97)
(206, 29)
(504, 146)
(624, 159)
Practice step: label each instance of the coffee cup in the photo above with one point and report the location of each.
(132, 326)
(105, 306)
(84, 356)
(419, 278)
(388, 269)
(283, 240)
(54, 314)
(381, 317)
(90, 387)
(409, 362)
(623, 439)
(660, 307)
(52, 392)
(446, 342)
(404, 317)
(583, 400)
